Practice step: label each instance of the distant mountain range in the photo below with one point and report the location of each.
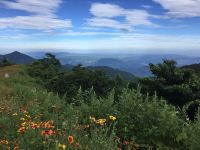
(18, 58)
(135, 64)
(139, 64)
(110, 72)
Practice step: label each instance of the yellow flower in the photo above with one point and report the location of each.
(22, 119)
(113, 118)
(62, 146)
(27, 116)
(15, 114)
(23, 124)
(93, 119)
(101, 121)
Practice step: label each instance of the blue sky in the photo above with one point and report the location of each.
(126, 26)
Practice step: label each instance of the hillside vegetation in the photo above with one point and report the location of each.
(44, 107)
(194, 67)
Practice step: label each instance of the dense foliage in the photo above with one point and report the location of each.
(49, 73)
(178, 86)
(194, 67)
(50, 108)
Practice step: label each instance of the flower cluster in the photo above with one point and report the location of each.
(29, 124)
(102, 121)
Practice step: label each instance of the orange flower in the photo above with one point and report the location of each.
(16, 148)
(4, 142)
(21, 130)
(34, 125)
(70, 139)
(48, 124)
(48, 132)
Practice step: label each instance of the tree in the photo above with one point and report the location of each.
(5, 62)
(178, 86)
(45, 69)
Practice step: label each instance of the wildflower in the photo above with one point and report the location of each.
(4, 142)
(48, 132)
(27, 116)
(15, 114)
(53, 106)
(62, 146)
(70, 139)
(113, 118)
(21, 130)
(34, 125)
(22, 119)
(101, 121)
(93, 119)
(16, 148)
(23, 124)
(49, 124)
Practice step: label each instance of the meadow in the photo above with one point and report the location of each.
(31, 117)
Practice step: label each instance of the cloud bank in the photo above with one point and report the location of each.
(105, 15)
(42, 15)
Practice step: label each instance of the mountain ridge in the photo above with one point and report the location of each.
(18, 58)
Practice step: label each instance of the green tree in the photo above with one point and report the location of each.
(178, 86)
(45, 69)
(5, 62)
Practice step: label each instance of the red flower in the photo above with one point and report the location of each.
(70, 139)
(48, 132)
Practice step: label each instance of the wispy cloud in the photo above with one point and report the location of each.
(105, 14)
(42, 15)
(181, 8)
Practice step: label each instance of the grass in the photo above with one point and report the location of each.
(32, 118)
(11, 70)
(5, 89)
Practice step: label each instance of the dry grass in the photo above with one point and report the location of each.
(11, 70)
(4, 85)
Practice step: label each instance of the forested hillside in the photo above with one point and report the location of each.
(194, 67)
(43, 106)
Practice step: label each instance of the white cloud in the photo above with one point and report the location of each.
(34, 22)
(108, 23)
(181, 8)
(39, 7)
(106, 10)
(42, 15)
(104, 15)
